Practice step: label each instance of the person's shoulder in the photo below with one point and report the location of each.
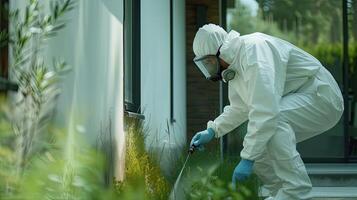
(254, 39)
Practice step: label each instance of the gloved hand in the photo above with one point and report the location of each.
(242, 171)
(202, 137)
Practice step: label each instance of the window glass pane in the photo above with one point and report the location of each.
(128, 80)
(352, 149)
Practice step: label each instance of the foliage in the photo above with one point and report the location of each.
(58, 174)
(214, 182)
(206, 176)
(330, 54)
(31, 109)
(244, 22)
(313, 25)
(38, 82)
(304, 22)
(210, 186)
(7, 155)
(142, 168)
(4, 17)
(311, 21)
(353, 21)
(69, 169)
(29, 32)
(3, 39)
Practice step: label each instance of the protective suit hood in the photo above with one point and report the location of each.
(230, 47)
(208, 39)
(206, 45)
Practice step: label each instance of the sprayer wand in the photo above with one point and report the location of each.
(174, 192)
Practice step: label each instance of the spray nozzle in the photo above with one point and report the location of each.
(192, 149)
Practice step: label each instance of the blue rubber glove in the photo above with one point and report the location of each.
(242, 171)
(202, 138)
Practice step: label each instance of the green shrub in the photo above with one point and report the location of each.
(213, 186)
(332, 54)
(68, 168)
(38, 80)
(207, 177)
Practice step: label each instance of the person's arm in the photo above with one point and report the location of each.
(266, 77)
(232, 117)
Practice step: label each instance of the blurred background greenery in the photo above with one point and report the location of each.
(315, 26)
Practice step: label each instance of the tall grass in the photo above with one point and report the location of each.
(142, 168)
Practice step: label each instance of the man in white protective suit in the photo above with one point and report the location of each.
(286, 95)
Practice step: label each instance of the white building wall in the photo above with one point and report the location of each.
(155, 76)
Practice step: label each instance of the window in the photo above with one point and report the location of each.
(132, 55)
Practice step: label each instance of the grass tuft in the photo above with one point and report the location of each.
(142, 168)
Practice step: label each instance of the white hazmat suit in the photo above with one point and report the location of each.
(286, 95)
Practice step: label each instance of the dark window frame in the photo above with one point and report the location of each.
(223, 91)
(132, 37)
(172, 116)
(4, 51)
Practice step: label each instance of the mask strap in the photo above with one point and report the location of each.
(218, 52)
(219, 72)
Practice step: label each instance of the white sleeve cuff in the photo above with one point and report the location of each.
(213, 126)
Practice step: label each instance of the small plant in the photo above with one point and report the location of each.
(210, 186)
(208, 177)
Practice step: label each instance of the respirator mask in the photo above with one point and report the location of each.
(210, 67)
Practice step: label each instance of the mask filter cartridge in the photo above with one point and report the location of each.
(227, 75)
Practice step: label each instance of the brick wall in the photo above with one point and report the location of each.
(202, 95)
